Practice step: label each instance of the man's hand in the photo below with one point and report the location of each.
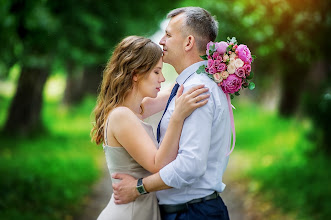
(125, 191)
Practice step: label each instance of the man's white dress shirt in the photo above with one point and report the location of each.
(205, 141)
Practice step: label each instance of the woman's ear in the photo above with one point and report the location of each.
(189, 42)
(135, 78)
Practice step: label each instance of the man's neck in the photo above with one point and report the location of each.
(187, 63)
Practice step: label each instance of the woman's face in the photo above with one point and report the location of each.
(150, 85)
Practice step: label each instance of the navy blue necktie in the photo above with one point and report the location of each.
(172, 94)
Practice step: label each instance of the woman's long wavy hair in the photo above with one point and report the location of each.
(134, 55)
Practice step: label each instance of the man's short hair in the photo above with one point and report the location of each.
(199, 23)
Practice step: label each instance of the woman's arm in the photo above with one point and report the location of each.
(127, 129)
(155, 105)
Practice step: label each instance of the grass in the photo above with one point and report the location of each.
(48, 176)
(280, 162)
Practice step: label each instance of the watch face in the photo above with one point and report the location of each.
(140, 189)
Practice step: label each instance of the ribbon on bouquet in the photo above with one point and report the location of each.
(232, 123)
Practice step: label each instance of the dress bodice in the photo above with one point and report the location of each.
(120, 161)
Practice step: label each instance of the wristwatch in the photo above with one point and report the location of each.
(140, 187)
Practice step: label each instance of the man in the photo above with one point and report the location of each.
(188, 187)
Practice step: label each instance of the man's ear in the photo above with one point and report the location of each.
(189, 42)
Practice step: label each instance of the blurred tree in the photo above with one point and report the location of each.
(31, 27)
(108, 22)
(10, 48)
(78, 35)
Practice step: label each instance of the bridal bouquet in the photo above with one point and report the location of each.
(229, 65)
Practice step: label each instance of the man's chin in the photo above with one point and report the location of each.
(164, 59)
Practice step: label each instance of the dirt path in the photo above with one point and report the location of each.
(233, 197)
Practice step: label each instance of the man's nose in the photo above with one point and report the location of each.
(162, 41)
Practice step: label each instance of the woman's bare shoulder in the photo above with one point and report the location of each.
(121, 113)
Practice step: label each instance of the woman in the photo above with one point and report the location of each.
(134, 74)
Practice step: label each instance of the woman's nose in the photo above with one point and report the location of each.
(162, 79)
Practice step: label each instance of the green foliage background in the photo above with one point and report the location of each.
(282, 152)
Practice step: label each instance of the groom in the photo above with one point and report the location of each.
(189, 186)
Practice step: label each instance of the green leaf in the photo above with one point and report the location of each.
(232, 40)
(231, 96)
(212, 48)
(253, 58)
(237, 93)
(251, 75)
(229, 48)
(201, 69)
(204, 57)
(251, 85)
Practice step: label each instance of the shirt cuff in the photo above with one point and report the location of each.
(169, 176)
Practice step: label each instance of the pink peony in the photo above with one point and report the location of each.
(212, 70)
(221, 47)
(217, 63)
(240, 72)
(215, 55)
(208, 46)
(210, 63)
(221, 67)
(244, 53)
(248, 68)
(232, 84)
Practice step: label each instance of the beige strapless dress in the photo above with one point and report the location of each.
(145, 207)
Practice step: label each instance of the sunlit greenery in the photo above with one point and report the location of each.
(277, 158)
(48, 176)
(282, 151)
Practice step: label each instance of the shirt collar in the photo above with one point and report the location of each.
(186, 73)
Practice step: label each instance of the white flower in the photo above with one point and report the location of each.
(224, 74)
(238, 63)
(231, 68)
(217, 77)
(225, 57)
(233, 57)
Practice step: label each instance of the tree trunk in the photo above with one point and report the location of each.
(81, 83)
(73, 91)
(91, 80)
(293, 79)
(24, 116)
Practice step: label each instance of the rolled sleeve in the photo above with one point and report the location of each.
(191, 161)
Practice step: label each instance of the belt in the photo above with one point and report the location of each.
(184, 206)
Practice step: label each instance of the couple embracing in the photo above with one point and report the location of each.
(178, 174)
